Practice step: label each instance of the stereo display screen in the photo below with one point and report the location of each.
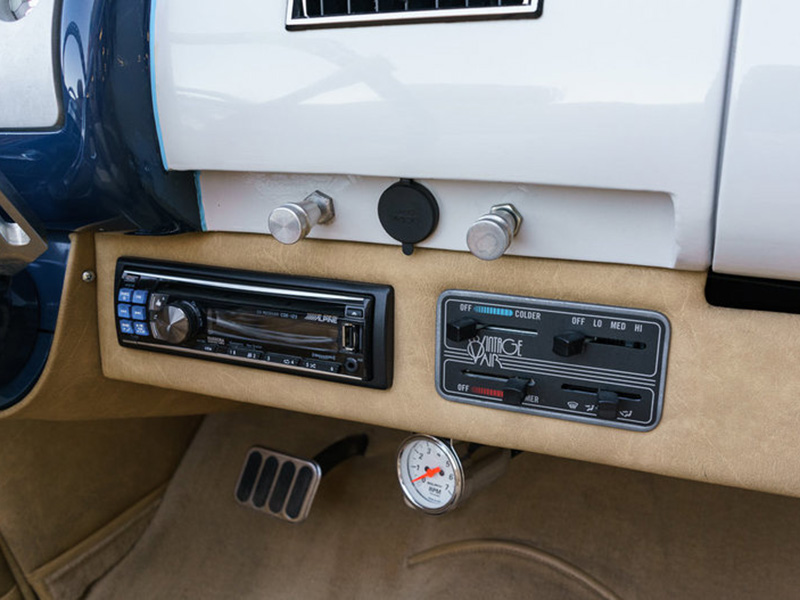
(272, 328)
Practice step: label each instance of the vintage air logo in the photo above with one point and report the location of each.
(488, 349)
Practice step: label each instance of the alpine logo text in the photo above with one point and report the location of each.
(321, 318)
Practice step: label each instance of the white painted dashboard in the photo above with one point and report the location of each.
(616, 103)
(759, 201)
(558, 221)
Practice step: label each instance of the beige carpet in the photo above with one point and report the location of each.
(7, 581)
(640, 535)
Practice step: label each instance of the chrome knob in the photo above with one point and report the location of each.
(291, 222)
(176, 323)
(490, 236)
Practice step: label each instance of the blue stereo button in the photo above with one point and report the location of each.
(124, 295)
(138, 313)
(140, 296)
(141, 328)
(124, 311)
(126, 327)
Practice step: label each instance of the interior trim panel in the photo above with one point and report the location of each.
(717, 425)
(71, 386)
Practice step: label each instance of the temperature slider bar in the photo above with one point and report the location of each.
(513, 389)
(467, 328)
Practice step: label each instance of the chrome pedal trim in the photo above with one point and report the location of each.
(278, 484)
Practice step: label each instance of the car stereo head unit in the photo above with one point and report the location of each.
(334, 330)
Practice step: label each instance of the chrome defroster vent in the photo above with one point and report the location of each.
(304, 14)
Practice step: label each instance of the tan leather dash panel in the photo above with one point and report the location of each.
(730, 411)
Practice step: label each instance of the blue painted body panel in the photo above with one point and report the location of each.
(15, 390)
(47, 274)
(104, 160)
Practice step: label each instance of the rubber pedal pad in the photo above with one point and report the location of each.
(278, 484)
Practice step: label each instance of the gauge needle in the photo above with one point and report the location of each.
(427, 473)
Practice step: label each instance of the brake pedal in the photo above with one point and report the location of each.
(283, 485)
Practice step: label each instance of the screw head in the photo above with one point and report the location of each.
(87, 276)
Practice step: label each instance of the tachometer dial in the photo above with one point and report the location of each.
(431, 474)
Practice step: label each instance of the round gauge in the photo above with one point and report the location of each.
(430, 473)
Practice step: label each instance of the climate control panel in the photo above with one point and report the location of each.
(591, 363)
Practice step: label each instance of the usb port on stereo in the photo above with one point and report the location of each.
(349, 337)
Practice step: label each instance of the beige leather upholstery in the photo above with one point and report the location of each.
(731, 412)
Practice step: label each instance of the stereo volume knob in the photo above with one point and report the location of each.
(176, 322)
(491, 235)
(291, 222)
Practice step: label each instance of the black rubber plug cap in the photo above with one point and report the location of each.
(408, 212)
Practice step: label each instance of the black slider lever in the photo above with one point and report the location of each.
(515, 389)
(569, 343)
(463, 329)
(607, 404)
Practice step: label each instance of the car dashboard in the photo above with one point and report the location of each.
(550, 227)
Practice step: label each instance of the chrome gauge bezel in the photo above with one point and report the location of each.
(458, 473)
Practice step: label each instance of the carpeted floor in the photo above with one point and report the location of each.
(640, 535)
